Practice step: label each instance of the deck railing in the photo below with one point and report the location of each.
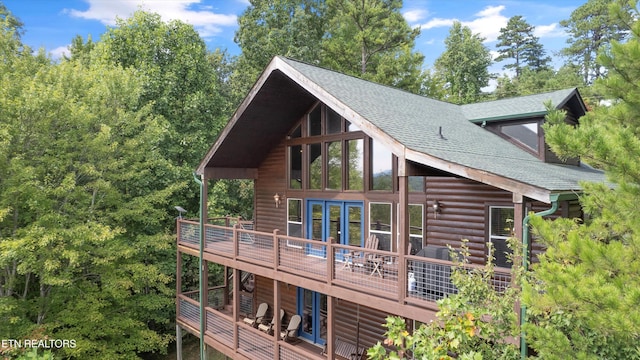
(427, 279)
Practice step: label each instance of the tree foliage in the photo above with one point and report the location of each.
(591, 30)
(464, 65)
(585, 294)
(473, 324)
(516, 41)
(372, 40)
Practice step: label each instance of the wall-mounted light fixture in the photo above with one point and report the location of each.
(437, 208)
(277, 200)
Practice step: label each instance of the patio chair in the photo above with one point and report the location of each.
(268, 328)
(291, 333)
(259, 317)
(361, 257)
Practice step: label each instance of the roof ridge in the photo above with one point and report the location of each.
(365, 80)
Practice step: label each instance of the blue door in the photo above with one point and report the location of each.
(341, 220)
(312, 306)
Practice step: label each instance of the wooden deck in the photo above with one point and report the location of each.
(305, 262)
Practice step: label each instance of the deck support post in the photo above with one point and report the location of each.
(330, 326)
(178, 342)
(403, 227)
(276, 315)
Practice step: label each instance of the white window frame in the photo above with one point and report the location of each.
(301, 223)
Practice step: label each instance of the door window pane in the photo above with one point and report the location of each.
(355, 162)
(334, 165)
(295, 167)
(316, 219)
(381, 167)
(355, 225)
(315, 166)
(335, 214)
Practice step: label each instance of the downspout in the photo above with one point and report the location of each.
(525, 262)
(200, 264)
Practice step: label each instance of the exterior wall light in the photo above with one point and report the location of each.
(437, 208)
(277, 200)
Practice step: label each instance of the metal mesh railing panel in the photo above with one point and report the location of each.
(189, 312)
(220, 328)
(253, 345)
(303, 257)
(189, 234)
(373, 271)
(219, 238)
(255, 245)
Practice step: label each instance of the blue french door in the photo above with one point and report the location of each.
(313, 308)
(341, 220)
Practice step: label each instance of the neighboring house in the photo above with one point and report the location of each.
(340, 164)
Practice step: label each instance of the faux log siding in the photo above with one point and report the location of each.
(346, 320)
(264, 293)
(464, 213)
(271, 180)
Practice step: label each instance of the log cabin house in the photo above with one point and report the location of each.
(337, 161)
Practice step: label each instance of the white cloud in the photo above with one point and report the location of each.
(437, 22)
(413, 16)
(59, 52)
(206, 22)
(547, 31)
(488, 23)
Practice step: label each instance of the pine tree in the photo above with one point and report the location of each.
(517, 42)
(583, 298)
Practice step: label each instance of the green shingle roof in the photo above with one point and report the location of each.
(517, 107)
(416, 122)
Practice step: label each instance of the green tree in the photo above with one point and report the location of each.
(532, 82)
(180, 82)
(464, 65)
(591, 30)
(472, 324)
(516, 41)
(291, 28)
(84, 226)
(584, 295)
(371, 39)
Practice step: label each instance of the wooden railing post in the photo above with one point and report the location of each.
(235, 240)
(330, 259)
(276, 249)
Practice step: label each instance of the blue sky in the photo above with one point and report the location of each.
(52, 24)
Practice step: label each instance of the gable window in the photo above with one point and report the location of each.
(326, 152)
(295, 167)
(381, 167)
(355, 164)
(315, 166)
(500, 229)
(315, 121)
(334, 165)
(380, 224)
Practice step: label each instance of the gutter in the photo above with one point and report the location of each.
(555, 199)
(201, 293)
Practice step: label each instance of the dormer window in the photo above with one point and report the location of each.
(525, 134)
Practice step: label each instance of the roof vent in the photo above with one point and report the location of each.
(440, 133)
